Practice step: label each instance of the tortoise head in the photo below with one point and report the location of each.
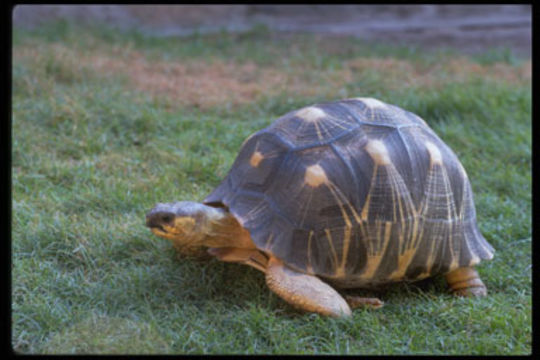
(192, 226)
(183, 222)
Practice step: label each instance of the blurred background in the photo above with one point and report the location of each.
(470, 28)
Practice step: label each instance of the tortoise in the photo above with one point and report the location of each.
(355, 193)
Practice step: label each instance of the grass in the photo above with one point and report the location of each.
(94, 149)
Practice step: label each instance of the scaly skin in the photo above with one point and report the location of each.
(466, 282)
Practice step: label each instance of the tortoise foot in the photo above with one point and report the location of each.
(305, 292)
(363, 302)
(466, 282)
(471, 291)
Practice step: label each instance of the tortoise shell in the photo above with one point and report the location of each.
(358, 192)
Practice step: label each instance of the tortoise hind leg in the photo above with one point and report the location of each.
(465, 281)
(306, 292)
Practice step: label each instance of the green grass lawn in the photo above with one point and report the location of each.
(107, 124)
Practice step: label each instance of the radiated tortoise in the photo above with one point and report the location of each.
(347, 194)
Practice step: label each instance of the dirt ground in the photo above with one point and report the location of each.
(470, 28)
(204, 84)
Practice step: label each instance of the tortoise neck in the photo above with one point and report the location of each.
(221, 229)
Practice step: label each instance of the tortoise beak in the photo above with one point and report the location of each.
(159, 216)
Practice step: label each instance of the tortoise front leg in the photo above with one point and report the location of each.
(306, 292)
(363, 302)
(465, 281)
(251, 257)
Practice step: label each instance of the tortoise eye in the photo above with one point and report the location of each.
(167, 218)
